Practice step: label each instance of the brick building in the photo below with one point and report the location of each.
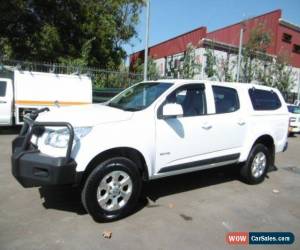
(285, 39)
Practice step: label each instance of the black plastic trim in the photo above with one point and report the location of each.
(27, 131)
(33, 168)
(200, 163)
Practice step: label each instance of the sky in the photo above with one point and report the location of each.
(170, 18)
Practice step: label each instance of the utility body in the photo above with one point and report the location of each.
(25, 91)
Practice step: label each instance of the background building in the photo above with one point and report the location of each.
(285, 39)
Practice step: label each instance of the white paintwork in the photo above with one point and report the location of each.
(86, 115)
(172, 109)
(37, 90)
(6, 102)
(294, 125)
(167, 142)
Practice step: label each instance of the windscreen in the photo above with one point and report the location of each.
(139, 96)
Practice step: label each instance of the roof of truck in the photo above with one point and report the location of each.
(230, 84)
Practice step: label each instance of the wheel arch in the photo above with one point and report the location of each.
(128, 152)
(268, 141)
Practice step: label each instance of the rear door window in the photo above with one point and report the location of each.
(226, 99)
(2, 88)
(264, 99)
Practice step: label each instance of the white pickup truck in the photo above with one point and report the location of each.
(151, 130)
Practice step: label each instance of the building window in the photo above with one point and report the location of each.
(286, 38)
(296, 48)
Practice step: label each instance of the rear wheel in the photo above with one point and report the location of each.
(256, 167)
(112, 189)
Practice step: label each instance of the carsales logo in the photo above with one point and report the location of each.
(260, 238)
(237, 238)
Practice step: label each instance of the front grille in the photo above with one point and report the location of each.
(23, 112)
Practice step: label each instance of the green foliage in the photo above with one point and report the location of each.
(211, 61)
(253, 51)
(219, 67)
(278, 74)
(224, 70)
(190, 67)
(82, 61)
(186, 67)
(89, 32)
(173, 68)
(152, 71)
(257, 65)
(115, 79)
(284, 75)
(259, 40)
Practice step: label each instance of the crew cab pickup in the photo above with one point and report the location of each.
(151, 130)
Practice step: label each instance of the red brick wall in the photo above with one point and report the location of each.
(287, 48)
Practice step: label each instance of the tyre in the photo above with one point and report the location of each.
(257, 164)
(112, 189)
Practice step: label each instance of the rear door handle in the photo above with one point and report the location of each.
(241, 123)
(3, 102)
(207, 126)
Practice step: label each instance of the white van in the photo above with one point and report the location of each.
(26, 91)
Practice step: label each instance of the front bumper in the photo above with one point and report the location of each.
(294, 129)
(33, 168)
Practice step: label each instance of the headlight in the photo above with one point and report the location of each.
(59, 138)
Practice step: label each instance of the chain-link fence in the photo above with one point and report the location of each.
(100, 78)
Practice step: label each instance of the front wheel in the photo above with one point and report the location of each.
(256, 167)
(112, 189)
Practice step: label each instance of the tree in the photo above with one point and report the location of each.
(186, 66)
(218, 67)
(174, 66)
(189, 66)
(278, 73)
(223, 69)
(254, 51)
(211, 61)
(89, 32)
(152, 71)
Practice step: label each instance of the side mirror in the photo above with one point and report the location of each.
(172, 110)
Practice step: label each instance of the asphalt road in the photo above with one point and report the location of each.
(193, 211)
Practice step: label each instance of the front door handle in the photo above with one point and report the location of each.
(3, 102)
(207, 126)
(241, 123)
